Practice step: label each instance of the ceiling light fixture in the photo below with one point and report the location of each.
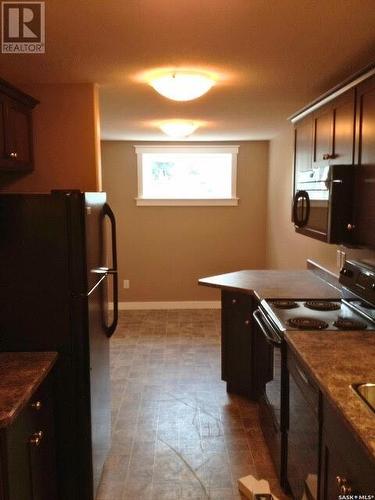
(182, 85)
(178, 128)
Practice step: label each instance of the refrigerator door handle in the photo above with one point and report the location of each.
(103, 270)
(112, 327)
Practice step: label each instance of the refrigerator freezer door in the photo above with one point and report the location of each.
(101, 253)
(95, 237)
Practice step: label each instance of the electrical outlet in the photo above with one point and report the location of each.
(340, 259)
(126, 284)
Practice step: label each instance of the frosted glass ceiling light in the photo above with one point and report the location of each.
(182, 85)
(178, 128)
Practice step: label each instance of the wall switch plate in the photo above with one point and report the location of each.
(126, 284)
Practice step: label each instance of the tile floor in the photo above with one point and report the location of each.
(176, 432)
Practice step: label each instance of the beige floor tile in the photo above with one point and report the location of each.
(177, 434)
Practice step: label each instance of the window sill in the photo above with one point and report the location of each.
(157, 202)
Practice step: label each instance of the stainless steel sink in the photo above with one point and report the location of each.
(366, 392)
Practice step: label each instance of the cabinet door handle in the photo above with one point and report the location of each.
(36, 438)
(343, 485)
(13, 154)
(345, 489)
(302, 375)
(247, 322)
(329, 156)
(37, 405)
(234, 301)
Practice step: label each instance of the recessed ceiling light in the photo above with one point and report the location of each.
(182, 85)
(178, 128)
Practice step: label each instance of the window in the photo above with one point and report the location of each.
(187, 175)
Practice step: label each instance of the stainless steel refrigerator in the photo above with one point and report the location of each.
(58, 268)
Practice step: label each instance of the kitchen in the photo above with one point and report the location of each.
(165, 352)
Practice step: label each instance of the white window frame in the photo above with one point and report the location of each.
(232, 201)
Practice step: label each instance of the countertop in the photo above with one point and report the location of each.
(335, 360)
(21, 373)
(266, 284)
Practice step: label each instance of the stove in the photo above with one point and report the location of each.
(355, 311)
(320, 315)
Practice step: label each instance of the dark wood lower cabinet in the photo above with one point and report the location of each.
(325, 461)
(27, 451)
(242, 361)
(346, 468)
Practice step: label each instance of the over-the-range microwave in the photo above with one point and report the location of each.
(323, 203)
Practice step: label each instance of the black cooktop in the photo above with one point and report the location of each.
(318, 315)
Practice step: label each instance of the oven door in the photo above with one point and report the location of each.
(273, 386)
(273, 403)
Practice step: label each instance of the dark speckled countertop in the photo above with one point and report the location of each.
(265, 284)
(21, 373)
(336, 360)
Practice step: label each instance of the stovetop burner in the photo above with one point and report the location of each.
(322, 305)
(307, 323)
(349, 324)
(284, 304)
(365, 305)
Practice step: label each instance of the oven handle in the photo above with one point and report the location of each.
(268, 331)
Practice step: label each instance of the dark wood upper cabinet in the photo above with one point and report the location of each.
(334, 132)
(364, 206)
(303, 134)
(334, 164)
(16, 132)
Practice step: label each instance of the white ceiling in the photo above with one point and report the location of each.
(272, 56)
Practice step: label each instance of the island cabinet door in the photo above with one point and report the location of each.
(346, 468)
(237, 342)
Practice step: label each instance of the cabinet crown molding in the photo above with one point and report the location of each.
(335, 92)
(14, 93)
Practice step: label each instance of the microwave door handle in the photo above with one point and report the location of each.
(113, 271)
(303, 198)
(273, 339)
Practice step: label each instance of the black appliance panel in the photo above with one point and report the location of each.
(322, 203)
(303, 434)
(274, 400)
(47, 305)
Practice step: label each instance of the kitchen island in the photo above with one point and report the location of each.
(241, 291)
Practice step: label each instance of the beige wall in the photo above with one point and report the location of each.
(66, 135)
(285, 248)
(164, 250)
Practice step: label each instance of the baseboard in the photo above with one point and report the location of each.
(183, 304)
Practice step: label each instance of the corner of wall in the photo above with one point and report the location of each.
(98, 159)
